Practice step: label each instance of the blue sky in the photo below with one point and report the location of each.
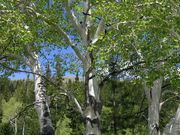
(49, 55)
(18, 76)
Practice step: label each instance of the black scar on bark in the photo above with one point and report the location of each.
(93, 121)
(47, 130)
(96, 105)
(91, 100)
(45, 107)
(46, 114)
(86, 13)
(44, 121)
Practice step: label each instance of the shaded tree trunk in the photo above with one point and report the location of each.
(23, 129)
(15, 126)
(153, 95)
(93, 108)
(114, 109)
(41, 105)
(173, 127)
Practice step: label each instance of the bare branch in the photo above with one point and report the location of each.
(137, 51)
(168, 99)
(70, 95)
(18, 70)
(23, 110)
(125, 22)
(120, 71)
(128, 68)
(168, 91)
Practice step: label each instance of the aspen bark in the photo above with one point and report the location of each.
(23, 129)
(15, 126)
(41, 105)
(93, 108)
(173, 127)
(153, 96)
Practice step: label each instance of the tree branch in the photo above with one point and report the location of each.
(60, 31)
(72, 97)
(86, 11)
(23, 110)
(3, 57)
(120, 71)
(137, 52)
(99, 31)
(73, 18)
(168, 91)
(162, 103)
(128, 68)
(17, 57)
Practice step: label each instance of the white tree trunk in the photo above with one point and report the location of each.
(153, 95)
(173, 127)
(23, 129)
(92, 112)
(15, 126)
(93, 108)
(41, 105)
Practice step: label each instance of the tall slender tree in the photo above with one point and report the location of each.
(18, 48)
(41, 101)
(59, 72)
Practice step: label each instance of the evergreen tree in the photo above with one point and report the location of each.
(77, 77)
(48, 71)
(59, 72)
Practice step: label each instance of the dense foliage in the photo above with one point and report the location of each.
(115, 49)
